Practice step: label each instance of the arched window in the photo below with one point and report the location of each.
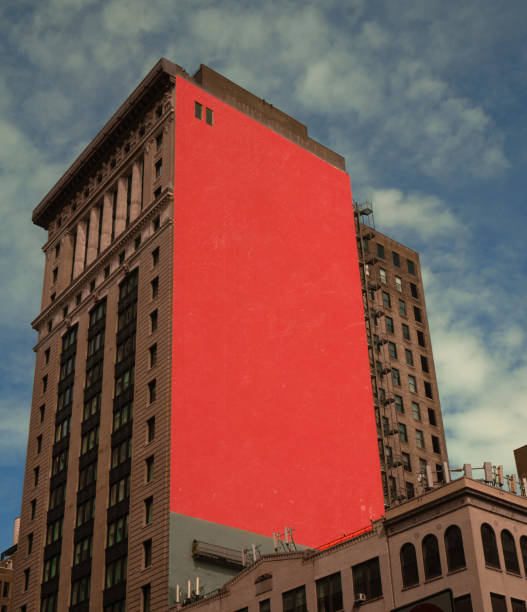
(431, 557)
(490, 547)
(509, 552)
(523, 548)
(409, 565)
(455, 555)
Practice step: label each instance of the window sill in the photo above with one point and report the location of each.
(457, 571)
(516, 574)
(368, 601)
(494, 569)
(428, 580)
(410, 587)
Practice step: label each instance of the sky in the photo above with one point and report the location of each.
(425, 99)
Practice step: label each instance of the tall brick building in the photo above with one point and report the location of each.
(202, 374)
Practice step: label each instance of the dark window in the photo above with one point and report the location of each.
(392, 350)
(83, 550)
(57, 250)
(518, 605)
(411, 266)
(30, 543)
(198, 110)
(158, 168)
(403, 435)
(412, 383)
(380, 250)
(92, 286)
(386, 299)
(295, 600)
(44, 383)
(116, 572)
(396, 377)
(435, 444)
(155, 256)
(432, 416)
(431, 558)
(107, 272)
(78, 298)
(389, 325)
(413, 290)
(26, 579)
(50, 325)
(118, 530)
(137, 242)
(409, 569)
(399, 405)
(402, 307)
(406, 462)
(424, 364)
(498, 603)
(329, 593)
(265, 605)
(153, 321)
(419, 438)
(396, 259)
(417, 314)
(149, 503)
(420, 338)
(428, 389)
(463, 604)
(35, 476)
(409, 357)
(150, 429)
(147, 553)
(39, 444)
(42, 412)
(490, 546)
(152, 391)
(155, 286)
(509, 552)
(367, 579)
(159, 140)
(406, 331)
(145, 590)
(410, 492)
(149, 468)
(209, 116)
(523, 549)
(153, 355)
(455, 553)
(156, 223)
(121, 257)
(157, 192)
(46, 355)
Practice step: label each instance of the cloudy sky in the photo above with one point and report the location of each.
(426, 99)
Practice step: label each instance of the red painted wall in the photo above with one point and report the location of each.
(272, 419)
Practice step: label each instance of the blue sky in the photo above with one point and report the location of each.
(426, 100)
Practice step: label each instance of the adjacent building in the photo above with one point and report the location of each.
(202, 375)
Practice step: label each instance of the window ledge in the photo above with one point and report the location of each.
(368, 601)
(516, 574)
(493, 568)
(428, 580)
(457, 571)
(411, 586)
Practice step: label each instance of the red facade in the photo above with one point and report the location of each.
(272, 418)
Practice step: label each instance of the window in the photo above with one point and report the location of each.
(149, 468)
(523, 549)
(407, 464)
(209, 116)
(157, 192)
(156, 223)
(396, 259)
(463, 604)
(509, 552)
(409, 568)
(399, 405)
(411, 266)
(392, 350)
(413, 291)
(118, 530)
(389, 325)
(83, 550)
(145, 590)
(402, 307)
(55, 274)
(5, 592)
(95, 343)
(412, 383)
(382, 275)
(87, 475)
(125, 380)
(92, 406)
(385, 426)
(159, 140)
(46, 355)
(403, 434)
(398, 284)
(396, 377)
(417, 314)
(155, 257)
(149, 503)
(155, 287)
(294, 600)
(126, 348)
(39, 444)
(490, 546)
(422, 469)
(424, 364)
(386, 299)
(431, 558)
(35, 476)
(119, 490)
(150, 429)
(410, 491)
(406, 331)
(44, 383)
(147, 553)
(455, 554)
(329, 594)
(380, 251)
(153, 321)
(116, 572)
(137, 242)
(428, 389)
(42, 410)
(198, 110)
(65, 311)
(51, 568)
(80, 590)
(56, 496)
(498, 603)
(59, 463)
(158, 168)
(57, 250)
(121, 452)
(367, 579)
(92, 286)
(518, 605)
(26, 579)
(152, 391)
(409, 357)
(265, 605)
(121, 257)
(435, 445)
(419, 438)
(50, 325)
(78, 298)
(152, 352)
(128, 315)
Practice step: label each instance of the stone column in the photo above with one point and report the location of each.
(135, 204)
(80, 246)
(106, 232)
(93, 237)
(120, 214)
